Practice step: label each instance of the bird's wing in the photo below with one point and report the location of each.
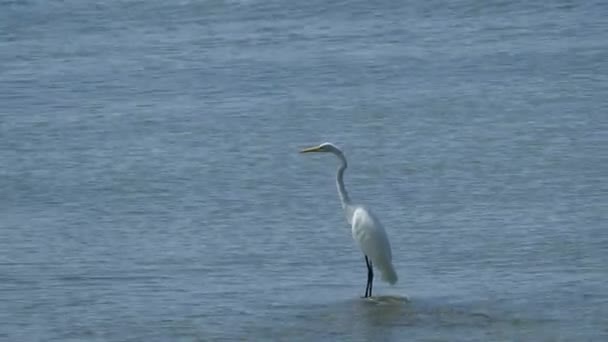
(373, 241)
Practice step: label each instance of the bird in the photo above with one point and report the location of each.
(367, 231)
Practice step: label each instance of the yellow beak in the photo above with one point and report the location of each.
(311, 149)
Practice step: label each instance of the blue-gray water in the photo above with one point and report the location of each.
(151, 189)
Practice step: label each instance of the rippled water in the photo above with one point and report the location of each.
(151, 189)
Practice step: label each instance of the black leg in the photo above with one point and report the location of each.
(370, 278)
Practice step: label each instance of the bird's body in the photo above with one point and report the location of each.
(367, 230)
(373, 241)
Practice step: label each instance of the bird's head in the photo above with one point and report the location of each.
(325, 147)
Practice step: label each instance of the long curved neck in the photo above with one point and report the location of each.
(344, 198)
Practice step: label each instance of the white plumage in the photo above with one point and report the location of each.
(373, 241)
(367, 230)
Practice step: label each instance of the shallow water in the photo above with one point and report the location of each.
(151, 189)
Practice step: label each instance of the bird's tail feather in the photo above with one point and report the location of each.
(389, 275)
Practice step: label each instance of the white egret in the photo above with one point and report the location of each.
(366, 228)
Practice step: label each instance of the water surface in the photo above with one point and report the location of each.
(151, 189)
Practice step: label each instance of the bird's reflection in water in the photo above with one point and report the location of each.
(361, 319)
(381, 310)
(376, 314)
(397, 318)
(378, 318)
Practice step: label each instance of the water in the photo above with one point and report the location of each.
(151, 187)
